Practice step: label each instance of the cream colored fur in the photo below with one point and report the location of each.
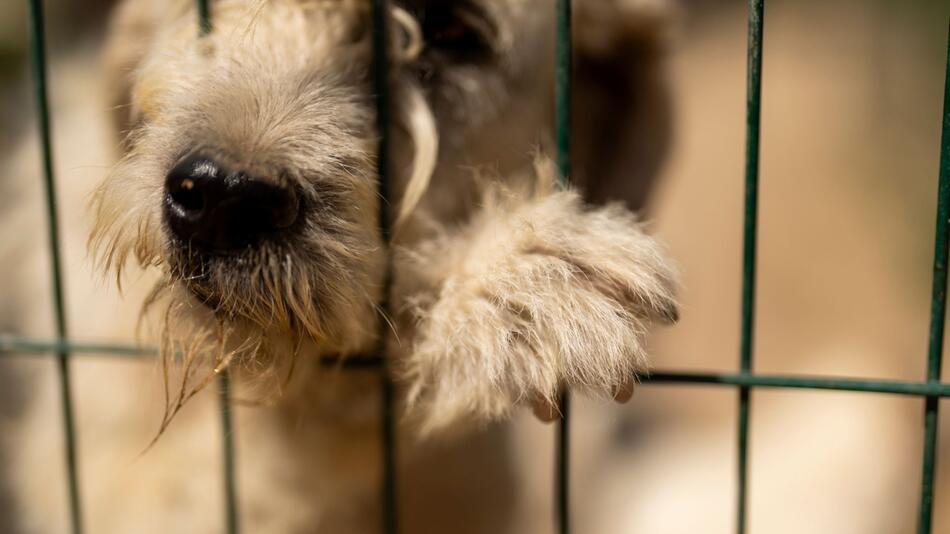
(506, 290)
(537, 292)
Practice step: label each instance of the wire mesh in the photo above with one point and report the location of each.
(930, 390)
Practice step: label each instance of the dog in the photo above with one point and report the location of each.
(248, 193)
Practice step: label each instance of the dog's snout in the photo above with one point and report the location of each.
(216, 209)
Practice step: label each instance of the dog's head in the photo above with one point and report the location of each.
(250, 177)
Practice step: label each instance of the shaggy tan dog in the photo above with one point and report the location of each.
(248, 189)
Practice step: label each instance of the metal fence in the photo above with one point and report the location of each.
(929, 390)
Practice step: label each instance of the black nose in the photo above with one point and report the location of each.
(216, 209)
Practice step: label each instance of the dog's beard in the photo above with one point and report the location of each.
(311, 291)
(253, 312)
(267, 287)
(211, 322)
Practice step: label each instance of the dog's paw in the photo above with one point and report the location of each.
(535, 295)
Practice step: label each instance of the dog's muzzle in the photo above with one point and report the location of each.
(209, 208)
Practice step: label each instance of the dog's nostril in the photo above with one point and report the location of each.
(186, 195)
(215, 209)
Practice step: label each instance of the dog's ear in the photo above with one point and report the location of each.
(621, 108)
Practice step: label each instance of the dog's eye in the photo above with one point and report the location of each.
(463, 33)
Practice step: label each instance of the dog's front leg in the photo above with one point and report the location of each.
(536, 293)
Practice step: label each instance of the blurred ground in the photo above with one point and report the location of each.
(850, 135)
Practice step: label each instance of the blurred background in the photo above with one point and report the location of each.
(852, 97)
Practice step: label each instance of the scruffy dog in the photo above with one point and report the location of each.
(249, 189)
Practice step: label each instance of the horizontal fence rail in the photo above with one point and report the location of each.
(930, 390)
(12, 346)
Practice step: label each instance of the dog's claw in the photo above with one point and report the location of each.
(625, 392)
(545, 410)
(670, 314)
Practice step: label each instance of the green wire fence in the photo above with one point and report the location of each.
(387, 421)
(750, 240)
(562, 129)
(929, 390)
(38, 57)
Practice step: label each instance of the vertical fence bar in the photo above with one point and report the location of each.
(231, 523)
(387, 421)
(562, 126)
(938, 309)
(204, 16)
(562, 91)
(750, 231)
(38, 58)
(227, 440)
